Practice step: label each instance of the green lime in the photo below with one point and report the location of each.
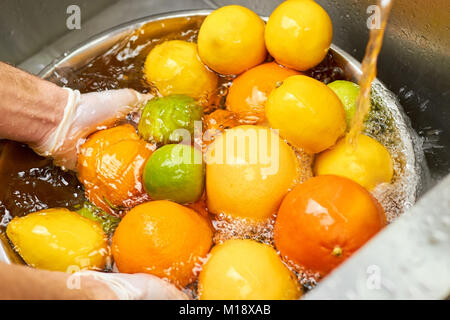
(175, 172)
(348, 93)
(169, 119)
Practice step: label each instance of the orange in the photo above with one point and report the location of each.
(110, 166)
(324, 220)
(246, 270)
(162, 238)
(307, 112)
(249, 170)
(174, 67)
(368, 163)
(249, 92)
(231, 40)
(298, 34)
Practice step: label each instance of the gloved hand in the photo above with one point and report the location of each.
(83, 115)
(138, 286)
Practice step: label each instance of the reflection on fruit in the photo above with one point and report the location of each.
(247, 270)
(175, 172)
(59, 240)
(162, 238)
(298, 34)
(231, 40)
(249, 169)
(110, 166)
(174, 67)
(169, 119)
(348, 92)
(368, 162)
(307, 113)
(324, 220)
(248, 93)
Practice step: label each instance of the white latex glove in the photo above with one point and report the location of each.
(83, 115)
(138, 286)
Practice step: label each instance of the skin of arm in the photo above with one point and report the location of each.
(53, 121)
(29, 106)
(25, 283)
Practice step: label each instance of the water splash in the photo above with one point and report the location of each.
(369, 72)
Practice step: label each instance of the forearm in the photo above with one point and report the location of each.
(30, 108)
(21, 282)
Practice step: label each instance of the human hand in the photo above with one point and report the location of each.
(138, 286)
(83, 115)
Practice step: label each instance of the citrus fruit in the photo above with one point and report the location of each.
(368, 162)
(231, 40)
(110, 166)
(298, 34)
(324, 220)
(59, 240)
(249, 169)
(162, 238)
(307, 113)
(248, 92)
(175, 172)
(174, 67)
(246, 270)
(348, 92)
(169, 119)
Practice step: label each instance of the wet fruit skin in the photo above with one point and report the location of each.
(161, 238)
(307, 113)
(110, 165)
(248, 179)
(163, 118)
(298, 34)
(175, 172)
(231, 40)
(174, 67)
(247, 270)
(248, 93)
(348, 92)
(59, 240)
(324, 220)
(368, 163)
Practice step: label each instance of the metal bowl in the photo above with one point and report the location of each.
(402, 141)
(410, 167)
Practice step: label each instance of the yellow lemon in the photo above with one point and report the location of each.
(307, 113)
(249, 170)
(247, 270)
(231, 40)
(174, 67)
(298, 34)
(369, 163)
(59, 240)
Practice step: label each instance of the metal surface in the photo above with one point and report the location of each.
(27, 26)
(112, 16)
